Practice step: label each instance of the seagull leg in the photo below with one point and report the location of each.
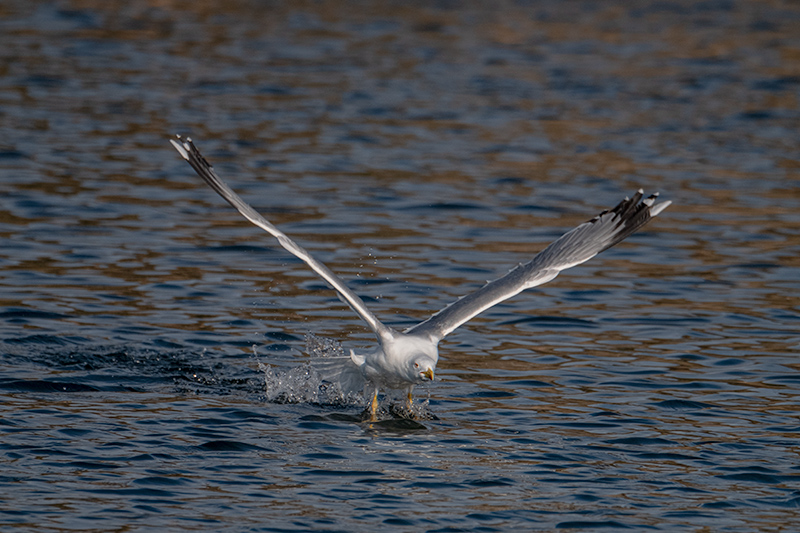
(373, 407)
(410, 403)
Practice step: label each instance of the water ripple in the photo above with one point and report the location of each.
(152, 345)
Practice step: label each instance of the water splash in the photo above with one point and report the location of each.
(317, 346)
(305, 383)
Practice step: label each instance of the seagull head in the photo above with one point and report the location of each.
(423, 367)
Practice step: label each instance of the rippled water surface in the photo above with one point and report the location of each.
(418, 149)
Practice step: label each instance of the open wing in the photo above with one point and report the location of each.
(190, 153)
(571, 249)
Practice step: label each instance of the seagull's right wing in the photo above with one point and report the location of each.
(190, 153)
(571, 249)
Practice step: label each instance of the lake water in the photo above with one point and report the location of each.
(418, 149)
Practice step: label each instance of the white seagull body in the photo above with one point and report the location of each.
(404, 359)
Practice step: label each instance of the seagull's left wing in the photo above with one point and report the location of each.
(571, 249)
(204, 169)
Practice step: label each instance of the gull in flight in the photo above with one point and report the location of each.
(402, 360)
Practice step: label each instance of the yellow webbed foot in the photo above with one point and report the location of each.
(373, 408)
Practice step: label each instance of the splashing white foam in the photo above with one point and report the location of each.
(317, 346)
(304, 383)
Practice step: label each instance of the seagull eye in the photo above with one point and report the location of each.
(416, 365)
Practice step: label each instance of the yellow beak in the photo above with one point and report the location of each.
(428, 374)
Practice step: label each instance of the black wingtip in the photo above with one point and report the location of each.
(633, 213)
(189, 152)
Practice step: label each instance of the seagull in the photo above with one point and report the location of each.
(404, 359)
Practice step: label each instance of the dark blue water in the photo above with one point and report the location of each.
(418, 149)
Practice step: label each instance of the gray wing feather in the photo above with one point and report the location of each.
(340, 371)
(189, 152)
(571, 249)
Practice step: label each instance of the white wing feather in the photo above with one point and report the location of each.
(571, 249)
(206, 171)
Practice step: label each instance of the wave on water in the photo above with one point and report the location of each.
(75, 366)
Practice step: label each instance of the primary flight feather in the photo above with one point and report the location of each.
(404, 359)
